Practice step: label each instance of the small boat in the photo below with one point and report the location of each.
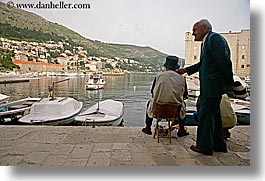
(57, 111)
(3, 98)
(242, 110)
(193, 86)
(190, 121)
(12, 111)
(104, 113)
(95, 82)
(240, 107)
(53, 110)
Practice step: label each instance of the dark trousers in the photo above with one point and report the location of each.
(210, 134)
(148, 120)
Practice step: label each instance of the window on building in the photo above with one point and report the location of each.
(243, 56)
(242, 66)
(195, 57)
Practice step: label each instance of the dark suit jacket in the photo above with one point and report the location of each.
(215, 66)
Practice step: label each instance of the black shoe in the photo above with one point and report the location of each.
(196, 149)
(220, 150)
(147, 131)
(182, 133)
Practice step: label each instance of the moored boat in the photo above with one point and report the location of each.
(53, 110)
(240, 107)
(12, 111)
(3, 98)
(57, 111)
(103, 113)
(242, 110)
(95, 82)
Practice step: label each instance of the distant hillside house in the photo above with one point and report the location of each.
(38, 66)
(239, 43)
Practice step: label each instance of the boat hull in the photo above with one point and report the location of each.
(110, 113)
(94, 87)
(52, 122)
(60, 111)
(12, 111)
(243, 118)
(92, 122)
(95, 82)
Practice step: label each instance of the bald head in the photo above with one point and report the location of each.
(201, 28)
(206, 24)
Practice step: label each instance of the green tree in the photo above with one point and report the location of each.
(6, 60)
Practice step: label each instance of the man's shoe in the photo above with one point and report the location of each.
(220, 150)
(196, 149)
(147, 131)
(182, 133)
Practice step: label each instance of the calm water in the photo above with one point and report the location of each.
(132, 89)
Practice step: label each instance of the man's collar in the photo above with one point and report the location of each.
(204, 38)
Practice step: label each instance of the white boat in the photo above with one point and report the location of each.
(193, 86)
(53, 110)
(3, 98)
(95, 82)
(56, 111)
(12, 111)
(240, 107)
(242, 110)
(103, 113)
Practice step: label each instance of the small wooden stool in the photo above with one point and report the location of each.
(168, 111)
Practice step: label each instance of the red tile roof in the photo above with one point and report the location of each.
(36, 63)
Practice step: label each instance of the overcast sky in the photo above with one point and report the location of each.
(160, 24)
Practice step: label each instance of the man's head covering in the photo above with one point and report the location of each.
(172, 62)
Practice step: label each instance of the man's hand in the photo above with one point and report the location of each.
(181, 70)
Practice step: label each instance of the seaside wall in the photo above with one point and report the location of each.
(39, 66)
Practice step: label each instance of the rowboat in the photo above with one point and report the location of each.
(3, 98)
(240, 107)
(12, 111)
(103, 113)
(242, 110)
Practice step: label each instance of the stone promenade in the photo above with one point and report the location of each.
(111, 146)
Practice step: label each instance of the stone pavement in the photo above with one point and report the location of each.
(111, 146)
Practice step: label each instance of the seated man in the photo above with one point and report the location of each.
(168, 87)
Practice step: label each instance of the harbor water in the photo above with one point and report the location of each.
(132, 89)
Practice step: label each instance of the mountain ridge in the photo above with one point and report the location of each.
(31, 21)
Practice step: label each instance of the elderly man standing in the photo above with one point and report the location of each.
(216, 76)
(168, 87)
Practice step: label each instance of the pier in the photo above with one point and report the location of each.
(112, 146)
(14, 80)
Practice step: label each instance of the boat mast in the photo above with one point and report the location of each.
(96, 82)
(53, 86)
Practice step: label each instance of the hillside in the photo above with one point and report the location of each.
(21, 20)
